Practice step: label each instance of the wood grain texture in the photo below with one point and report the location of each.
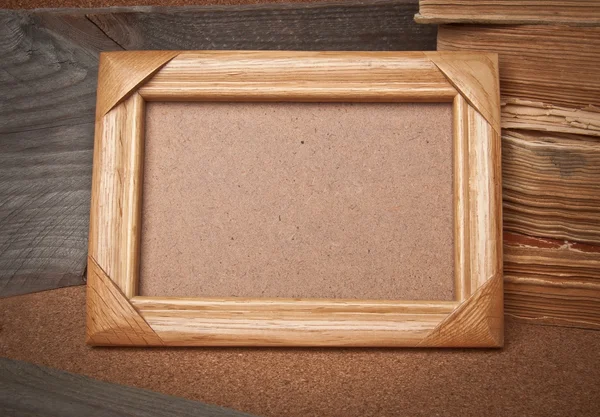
(551, 223)
(116, 193)
(553, 65)
(550, 148)
(524, 114)
(310, 76)
(478, 213)
(552, 185)
(290, 322)
(48, 70)
(547, 73)
(476, 78)
(378, 25)
(37, 4)
(32, 390)
(462, 264)
(573, 12)
(485, 200)
(298, 76)
(48, 80)
(111, 320)
(477, 322)
(551, 281)
(122, 71)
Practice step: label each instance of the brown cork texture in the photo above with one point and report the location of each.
(298, 200)
(541, 371)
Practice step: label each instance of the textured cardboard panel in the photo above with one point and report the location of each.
(298, 200)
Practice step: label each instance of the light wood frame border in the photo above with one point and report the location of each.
(116, 315)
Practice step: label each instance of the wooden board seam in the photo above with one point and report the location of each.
(468, 323)
(476, 78)
(121, 72)
(111, 319)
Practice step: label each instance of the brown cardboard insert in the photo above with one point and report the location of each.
(318, 200)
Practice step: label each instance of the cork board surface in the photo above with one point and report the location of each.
(319, 200)
(542, 371)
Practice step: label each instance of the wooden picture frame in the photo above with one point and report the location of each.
(116, 315)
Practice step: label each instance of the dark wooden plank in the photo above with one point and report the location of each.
(48, 66)
(47, 100)
(368, 25)
(31, 390)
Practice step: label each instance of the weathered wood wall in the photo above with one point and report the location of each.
(48, 70)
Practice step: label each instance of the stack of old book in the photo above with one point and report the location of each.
(549, 55)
